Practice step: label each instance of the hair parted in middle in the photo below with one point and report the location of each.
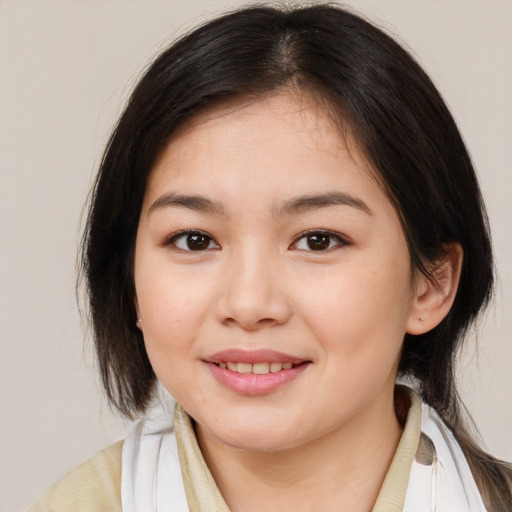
(376, 92)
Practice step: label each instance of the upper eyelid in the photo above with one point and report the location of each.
(342, 239)
(328, 232)
(174, 236)
(182, 232)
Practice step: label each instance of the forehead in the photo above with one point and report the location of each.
(289, 104)
(283, 144)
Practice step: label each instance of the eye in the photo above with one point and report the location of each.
(318, 241)
(192, 241)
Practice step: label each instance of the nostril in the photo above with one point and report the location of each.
(248, 324)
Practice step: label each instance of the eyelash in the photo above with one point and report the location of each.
(337, 238)
(173, 239)
(340, 241)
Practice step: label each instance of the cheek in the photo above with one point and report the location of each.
(172, 309)
(359, 313)
(171, 317)
(359, 320)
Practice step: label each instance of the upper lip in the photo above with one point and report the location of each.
(253, 356)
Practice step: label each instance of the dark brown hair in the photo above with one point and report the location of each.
(400, 123)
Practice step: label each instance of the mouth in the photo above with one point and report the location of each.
(256, 368)
(255, 372)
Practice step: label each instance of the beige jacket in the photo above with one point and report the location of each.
(94, 486)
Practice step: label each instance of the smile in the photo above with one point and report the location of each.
(256, 368)
(255, 372)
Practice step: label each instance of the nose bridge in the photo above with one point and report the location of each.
(252, 292)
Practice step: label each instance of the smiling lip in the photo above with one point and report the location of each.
(253, 356)
(252, 383)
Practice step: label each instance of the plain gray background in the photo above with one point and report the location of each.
(65, 69)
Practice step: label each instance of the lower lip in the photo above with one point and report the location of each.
(253, 384)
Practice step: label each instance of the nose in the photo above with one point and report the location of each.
(253, 293)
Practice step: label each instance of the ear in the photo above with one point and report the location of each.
(138, 323)
(434, 295)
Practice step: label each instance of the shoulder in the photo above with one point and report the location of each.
(93, 486)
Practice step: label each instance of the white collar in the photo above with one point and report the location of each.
(445, 482)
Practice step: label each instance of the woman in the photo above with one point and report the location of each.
(286, 219)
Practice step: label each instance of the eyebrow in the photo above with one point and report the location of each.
(299, 204)
(193, 202)
(316, 201)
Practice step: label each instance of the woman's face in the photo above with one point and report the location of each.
(263, 244)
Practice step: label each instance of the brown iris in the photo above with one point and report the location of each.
(318, 241)
(198, 242)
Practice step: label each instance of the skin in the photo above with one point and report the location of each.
(325, 439)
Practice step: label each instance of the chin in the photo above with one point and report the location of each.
(257, 443)
(255, 437)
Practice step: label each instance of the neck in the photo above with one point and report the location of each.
(343, 470)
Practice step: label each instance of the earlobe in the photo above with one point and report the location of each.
(138, 323)
(434, 294)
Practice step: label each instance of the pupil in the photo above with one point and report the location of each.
(197, 242)
(318, 242)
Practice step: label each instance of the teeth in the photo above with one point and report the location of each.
(260, 368)
(244, 368)
(276, 367)
(256, 368)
